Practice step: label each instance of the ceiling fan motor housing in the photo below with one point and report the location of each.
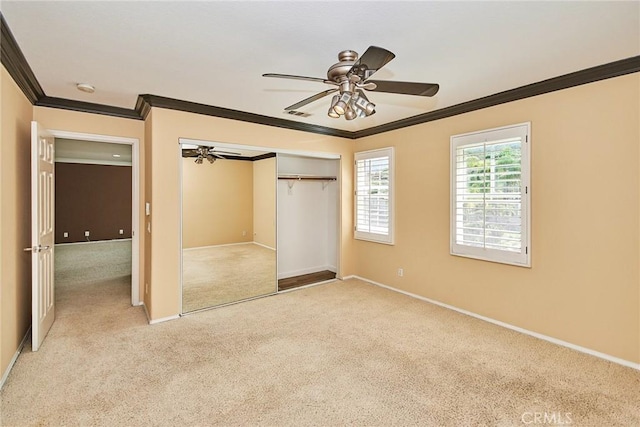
(338, 72)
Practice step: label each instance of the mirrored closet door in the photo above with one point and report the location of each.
(228, 225)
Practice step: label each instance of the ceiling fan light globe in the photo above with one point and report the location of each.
(332, 113)
(350, 114)
(340, 108)
(370, 109)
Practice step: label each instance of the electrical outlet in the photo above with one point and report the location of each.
(146, 288)
(86, 234)
(400, 272)
(121, 231)
(65, 234)
(244, 233)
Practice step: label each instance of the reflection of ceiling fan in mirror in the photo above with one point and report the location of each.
(201, 152)
(352, 77)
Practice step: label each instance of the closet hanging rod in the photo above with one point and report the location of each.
(307, 177)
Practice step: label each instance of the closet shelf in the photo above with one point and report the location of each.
(307, 177)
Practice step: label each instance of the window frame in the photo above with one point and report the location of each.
(388, 238)
(522, 258)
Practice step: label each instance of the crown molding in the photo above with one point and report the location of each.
(87, 107)
(589, 75)
(16, 64)
(145, 102)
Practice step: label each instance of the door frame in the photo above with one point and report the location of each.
(135, 197)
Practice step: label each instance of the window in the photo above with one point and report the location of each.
(374, 195)
(490, 195)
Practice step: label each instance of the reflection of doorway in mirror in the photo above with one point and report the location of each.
(228, 229)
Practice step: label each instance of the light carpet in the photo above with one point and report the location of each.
(222, 274)
(343, 353)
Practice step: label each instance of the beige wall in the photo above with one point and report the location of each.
(72, 121)
(167, 126)
(264, 202)
(217, 203)
(15, 218)
(584, 284)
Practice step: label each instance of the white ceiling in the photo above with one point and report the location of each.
(77, 151)
(214, 52)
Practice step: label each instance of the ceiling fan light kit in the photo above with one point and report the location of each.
(351, 76)
(210, 153)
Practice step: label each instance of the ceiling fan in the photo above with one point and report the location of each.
(352, 75)
(202, 152)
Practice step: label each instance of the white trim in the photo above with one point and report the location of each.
(5, 375)
(297, 288)
(94, 162)
(94, 137)
(92, 241)
(135, 197)
(218, 246)
(300, 272)
(264, 246)
(556, 341)
(164, 319)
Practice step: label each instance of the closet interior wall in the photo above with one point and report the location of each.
(307, 216)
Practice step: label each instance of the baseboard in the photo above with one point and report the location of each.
(164, 319)
(556, 341)
(303, 271)
(92, 241)
(5, 375)
(264, 246)
(217, 246)
(146, 312)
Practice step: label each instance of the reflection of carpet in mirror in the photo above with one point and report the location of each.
(222, 274)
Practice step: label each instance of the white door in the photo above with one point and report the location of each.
(42, 237)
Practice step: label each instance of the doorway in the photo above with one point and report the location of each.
(84, 150)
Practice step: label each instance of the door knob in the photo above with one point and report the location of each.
(38, 248)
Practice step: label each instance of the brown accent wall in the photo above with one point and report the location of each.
(94, 198)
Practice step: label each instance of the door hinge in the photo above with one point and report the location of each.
(526, 250)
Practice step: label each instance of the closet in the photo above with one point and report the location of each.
(255, 222)
(307, 220)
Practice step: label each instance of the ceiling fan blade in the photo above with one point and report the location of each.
(289, 76)
(371, 61)
(310, 99)
(228, 153)
(187, 152)
(405, 88)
